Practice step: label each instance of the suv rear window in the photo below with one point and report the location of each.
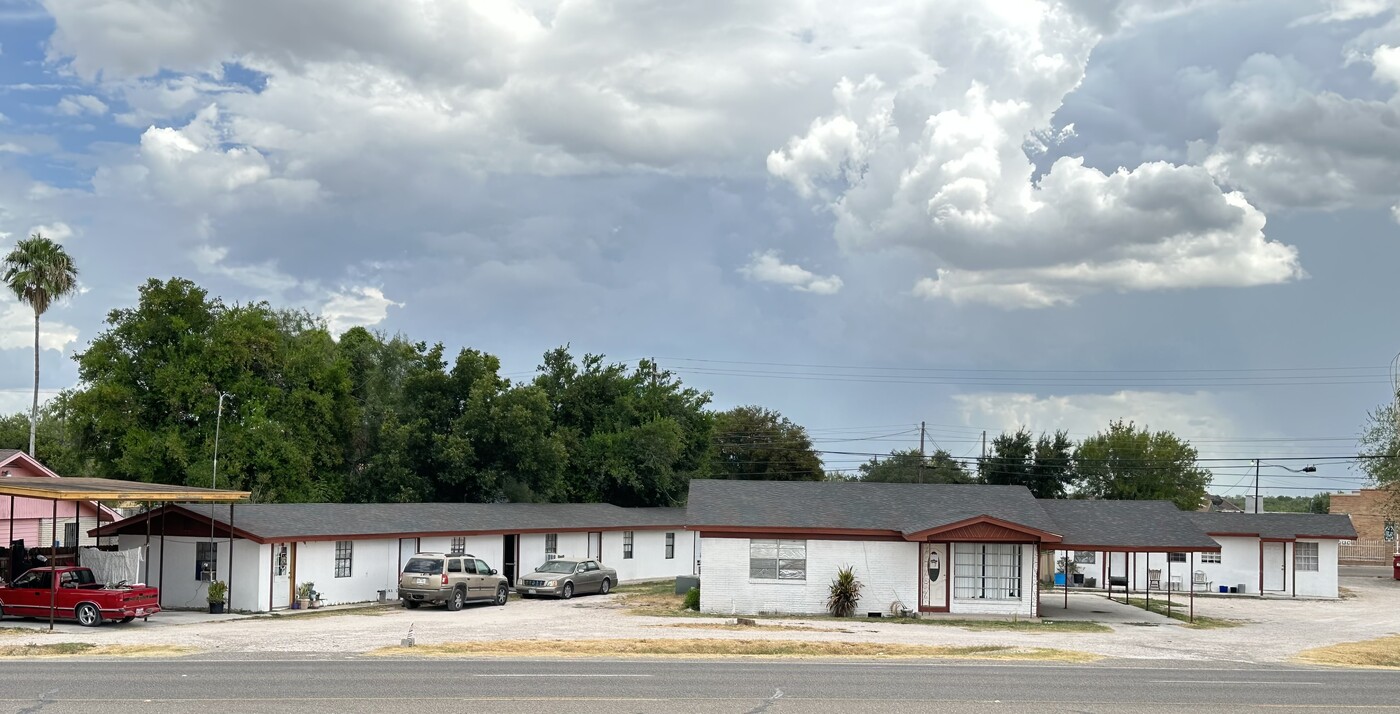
(426, 566)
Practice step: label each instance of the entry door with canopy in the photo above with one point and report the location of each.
(281, 575)
(1274, 566)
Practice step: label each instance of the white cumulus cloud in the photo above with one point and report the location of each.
(768, 267)
(356, 306)
(17, 328)
(78, 104)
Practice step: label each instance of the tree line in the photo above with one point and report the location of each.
(371, 418)
(1123, 462)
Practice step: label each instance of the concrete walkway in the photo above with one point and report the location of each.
(1094, 607)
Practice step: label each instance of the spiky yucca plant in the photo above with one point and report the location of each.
(845, 593)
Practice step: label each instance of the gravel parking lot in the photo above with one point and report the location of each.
(1274, 630)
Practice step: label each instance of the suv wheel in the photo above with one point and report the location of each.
(501, 595)
(605, 588)
(457, 600)
(411, 604)
(568, 590)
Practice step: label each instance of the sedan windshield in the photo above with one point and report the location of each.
(557, 566)
(425, 566)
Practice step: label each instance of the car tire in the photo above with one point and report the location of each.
(605, 587)
(457, 600)
(411, 604)
(88, 615)
(502, 595)
(128, 618)
(568, 591)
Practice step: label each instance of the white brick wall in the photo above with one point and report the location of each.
(888, 571)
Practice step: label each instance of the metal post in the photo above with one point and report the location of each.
(146, 554)
(53, 564)
(1258, 506)
(1169, 584)
(10, 564)
(1148, 605)
(229, 593)
(1192, 596)
(160, 576)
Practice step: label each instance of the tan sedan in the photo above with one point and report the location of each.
(563, 578)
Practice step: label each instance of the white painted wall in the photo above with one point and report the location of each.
(181, 590)
(374, 567)
(888, 570)
(85, 525)
(487, 548)
(649, 561)
(571, 545)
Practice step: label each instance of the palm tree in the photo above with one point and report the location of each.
(40, 273)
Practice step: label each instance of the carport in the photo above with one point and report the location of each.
(99, 490)
(1132, 528)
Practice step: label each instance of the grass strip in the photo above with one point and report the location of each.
(1178, 612)
(1041, 627)
(1380, 652)
(69, 649)
(729, 648)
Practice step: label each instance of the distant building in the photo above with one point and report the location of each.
(1369, 509)
(1219, 504)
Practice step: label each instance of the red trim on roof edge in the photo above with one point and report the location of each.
(1044, 536)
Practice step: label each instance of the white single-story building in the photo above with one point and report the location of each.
(351, 552)
(1293, 554)
(775, 547)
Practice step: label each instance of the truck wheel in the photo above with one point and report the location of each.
(501, 595)
(568, 590)
(88, 616)
(457, 600)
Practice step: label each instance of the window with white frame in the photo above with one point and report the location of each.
(1210, 558)
(775, 559)
(626, 545)
(459, 545)
(1305, 556)
(206, 560)
(344, 558)
(670, 546)
(1176, 557)
(551, 544)
(986, 571)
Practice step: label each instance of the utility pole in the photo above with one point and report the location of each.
(922, 457)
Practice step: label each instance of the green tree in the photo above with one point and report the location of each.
(61, 454)
(757, 444)
(1044, 465)
(150, 384)
(909, 466)
(40, 273)
(1130, 463)
(633, 437)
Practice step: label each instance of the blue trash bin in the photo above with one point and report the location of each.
(1060, 579)
(1224, 588)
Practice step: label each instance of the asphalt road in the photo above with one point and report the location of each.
(587, 686)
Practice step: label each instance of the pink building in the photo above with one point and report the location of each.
(33, 517)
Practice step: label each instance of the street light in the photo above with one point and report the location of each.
(1259, 505)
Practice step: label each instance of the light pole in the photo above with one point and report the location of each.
(214, 483)
(1259, 505)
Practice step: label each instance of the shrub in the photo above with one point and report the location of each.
(218, 590)
(306, 591)
(692, 599)
(845, 593)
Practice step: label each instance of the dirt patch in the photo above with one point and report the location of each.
(1380, 652)
(741, 628)
(68, 649)
(15, 631)
(653, 600)
(1178, 612)
(730, 648)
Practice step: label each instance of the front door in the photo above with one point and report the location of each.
(281, 575)
(933, 576)
(595, 546)
(508, 557)
(1274, 564)
(407, 548)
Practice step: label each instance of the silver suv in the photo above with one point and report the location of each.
(453, 579)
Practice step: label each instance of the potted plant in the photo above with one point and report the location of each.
(304, 593)
(316, 599)
(1066, 567)
(218, 593)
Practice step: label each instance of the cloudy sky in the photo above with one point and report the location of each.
(865, 215)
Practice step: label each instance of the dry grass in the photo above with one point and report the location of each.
(1179, 612)
(1380, 652)
(15, 631)
(1041, 627)
(653, 600)
(69, 649)
(729, 648)
(1345, 593)
(741, 628)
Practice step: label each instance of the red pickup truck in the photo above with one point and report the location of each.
(78, 597)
